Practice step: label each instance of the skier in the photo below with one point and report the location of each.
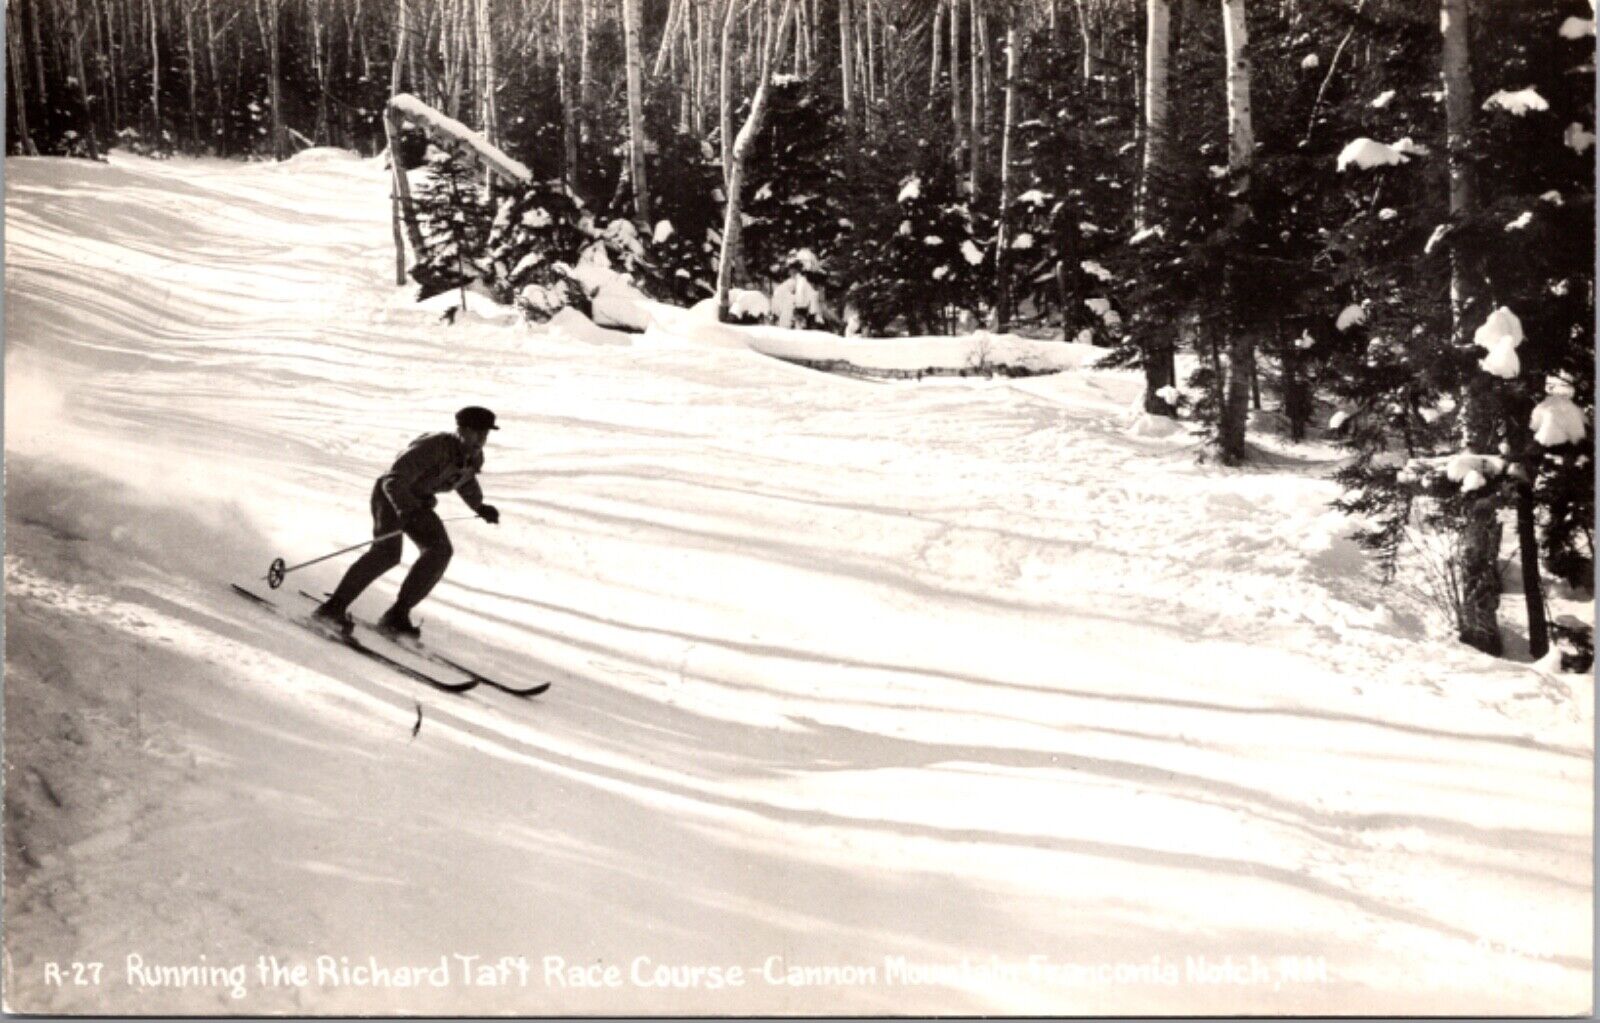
(402, 499)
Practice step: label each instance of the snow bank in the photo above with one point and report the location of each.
(980, 352)
(570, 324)
(324, 154)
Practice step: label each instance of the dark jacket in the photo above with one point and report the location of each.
(433, 464)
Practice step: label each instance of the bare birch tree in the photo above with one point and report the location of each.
(1241, 155)
(1003, 302)
(631, 30)
(772, 43)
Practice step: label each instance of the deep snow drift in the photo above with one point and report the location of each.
(950, 696)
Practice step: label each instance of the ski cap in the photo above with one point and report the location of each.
(476, 417)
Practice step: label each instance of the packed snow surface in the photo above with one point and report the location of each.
(953, 696)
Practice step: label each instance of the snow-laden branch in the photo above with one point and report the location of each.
(439, 124)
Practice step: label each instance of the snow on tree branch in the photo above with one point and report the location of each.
(437, 123)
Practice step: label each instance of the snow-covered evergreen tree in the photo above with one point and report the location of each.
(456, 220)
(931, 266)
(796, 179)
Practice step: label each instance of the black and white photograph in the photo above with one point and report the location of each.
(799, 508)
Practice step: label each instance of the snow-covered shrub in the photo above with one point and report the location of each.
(536, 239)
(683, 244)
(157, 147)
(614, 300)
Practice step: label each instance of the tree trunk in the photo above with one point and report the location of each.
(869, 18)
(402, 48)
(155, 77)
(1529, 454)
(957, 107)
(586, 65)
(702, 46)
(38, 55)
(732, 227)
(847, 76)
(936, 53)
(975, 165)
(725, 93)
(219, 124)
(1241, 150)
(669, 37)
(631, 30)
(267, 14)
(569, 115)
(76, 29)
(1157, 345)
(105, 39)
(1480, 534)
(1003, 310)
(194, 73)
(488, 72)
(1158, 22)
(19, 95)
(399, 185)
(319, 66)
(402, 185)
(1087, 41)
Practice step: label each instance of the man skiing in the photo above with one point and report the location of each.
(402, 499)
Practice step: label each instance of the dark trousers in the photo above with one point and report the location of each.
(425, 530)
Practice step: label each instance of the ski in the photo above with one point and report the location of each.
(417, 647)
(361, 648)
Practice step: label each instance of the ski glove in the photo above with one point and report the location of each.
(489, 513)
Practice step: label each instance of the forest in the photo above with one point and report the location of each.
(1370, 221)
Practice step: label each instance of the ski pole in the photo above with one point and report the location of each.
(277, 570)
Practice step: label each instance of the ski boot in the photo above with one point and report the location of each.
(396, 623)
(334, 618)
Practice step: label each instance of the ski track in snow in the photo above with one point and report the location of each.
(945, 670)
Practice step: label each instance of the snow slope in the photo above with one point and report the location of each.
(953, 687)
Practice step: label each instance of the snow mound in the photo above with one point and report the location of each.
(1149, 425)
(1350, 316)
(746, 303)
(572, 325)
